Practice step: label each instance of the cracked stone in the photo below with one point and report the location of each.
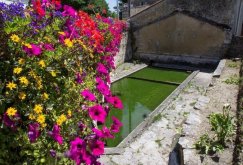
(187, 142)
(190, 157)
(201, 103)
(193, 119)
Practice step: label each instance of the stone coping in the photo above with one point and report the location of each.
(142, 126)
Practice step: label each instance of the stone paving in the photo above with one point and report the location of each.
(154, 144)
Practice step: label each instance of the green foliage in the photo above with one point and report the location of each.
(205, 144)
(90, 6)
(223, 127)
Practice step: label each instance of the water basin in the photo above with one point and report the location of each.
(141, 92)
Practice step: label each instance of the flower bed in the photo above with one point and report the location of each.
(55, 84)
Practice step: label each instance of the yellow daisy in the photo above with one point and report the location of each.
(42, 63)
(53, 73)
(61, 119)
(11, 85)
(69, 113)
(31, 116)
(15, 38)
(17, 70)
(24, 80)
(45, 96)
(22, 95)
(38, 108)
(68, 42)
(41, 119)
(21, 61)
(11, 111)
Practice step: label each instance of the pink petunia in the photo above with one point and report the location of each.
(88, 95)
(97, 113)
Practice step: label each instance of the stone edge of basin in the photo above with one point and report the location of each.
(142, 126)
(126, 73)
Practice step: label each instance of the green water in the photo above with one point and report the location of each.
(141, 96)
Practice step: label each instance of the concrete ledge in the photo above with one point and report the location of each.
(219, 69)
(142, 126)
(113, 151)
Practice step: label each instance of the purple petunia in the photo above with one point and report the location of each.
(33, 132)
(55, 134)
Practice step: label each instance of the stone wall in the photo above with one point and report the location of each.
(125, 50)
(185, 29)
(135, 10)
(180, 35)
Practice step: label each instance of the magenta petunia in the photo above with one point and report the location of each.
(55, 134)
(97, 113)
(33, 132)
(33, 50)
(115, 101)
(68, 11)
(98, 132)
(103, 89)
(49, 47)
(102, 69)
(97, 147)
(116, 125)
(107, 132)
(104, 133)
(88, 95)
(78, 152)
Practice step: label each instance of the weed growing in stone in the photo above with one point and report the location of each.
(233, 65)
(233, 80)
(223, 127)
